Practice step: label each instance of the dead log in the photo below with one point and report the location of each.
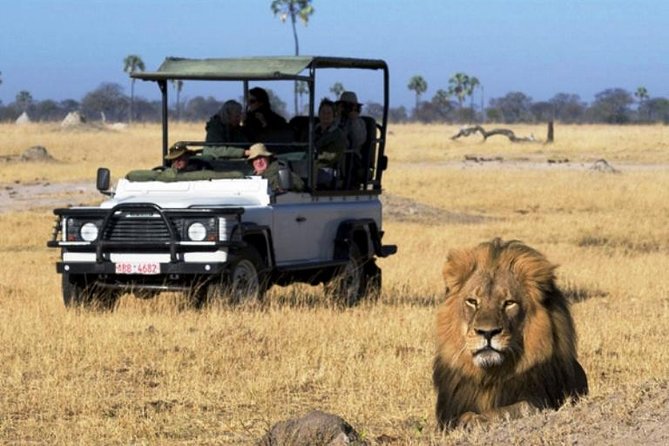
(466, 131)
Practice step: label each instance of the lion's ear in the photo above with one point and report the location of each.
(458, 268)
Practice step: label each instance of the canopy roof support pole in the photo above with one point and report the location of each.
(162, 84)
(246, 95)
(312, 155)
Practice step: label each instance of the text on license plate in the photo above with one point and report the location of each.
(138, 268)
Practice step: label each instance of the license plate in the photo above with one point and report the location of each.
(138, 268)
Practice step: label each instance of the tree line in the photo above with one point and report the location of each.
(462, 101)
(610, 106)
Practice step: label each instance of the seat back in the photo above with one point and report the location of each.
(368, 150)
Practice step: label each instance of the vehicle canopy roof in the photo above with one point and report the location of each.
(251, 68)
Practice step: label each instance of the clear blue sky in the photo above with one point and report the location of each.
(63, 49)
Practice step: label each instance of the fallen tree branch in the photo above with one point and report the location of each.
(466, 131)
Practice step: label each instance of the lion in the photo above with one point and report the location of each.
(506, 343)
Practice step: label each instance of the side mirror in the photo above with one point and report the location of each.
(383, 163)
(285, 178)
(103, 181)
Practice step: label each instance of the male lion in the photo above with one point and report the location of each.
(506, 343)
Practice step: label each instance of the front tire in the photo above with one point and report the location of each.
(247, 281)
(77, 292)
(244, 282)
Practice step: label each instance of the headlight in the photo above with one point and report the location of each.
(88, 232)
(197, 232)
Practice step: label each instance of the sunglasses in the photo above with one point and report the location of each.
(252, 101)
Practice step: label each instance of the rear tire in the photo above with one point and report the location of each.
(349, 283)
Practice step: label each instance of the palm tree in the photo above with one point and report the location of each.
(418, 85)
(178, 85)
(642, 94)
(131, 64)
(24, 100)
(293, 9)
(473, 85)
(302, 89)
(337, 89)
(458, 86)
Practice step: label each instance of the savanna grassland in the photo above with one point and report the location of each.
(154, 372)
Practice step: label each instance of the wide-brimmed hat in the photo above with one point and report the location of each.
(349, 97)
(180, 149)
(259, 149)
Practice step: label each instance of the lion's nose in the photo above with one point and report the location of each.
(489, 333)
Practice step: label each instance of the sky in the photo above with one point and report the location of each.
(66, 48)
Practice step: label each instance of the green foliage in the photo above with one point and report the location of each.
(641, 93)
(612, 106)
(108, 100)
(568, 108)
(24, 100)
(178, 85)
(419, 86)
(337, 89)
(513, 107)
(293, 9)
(132, 63)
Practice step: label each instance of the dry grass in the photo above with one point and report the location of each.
(153, 373)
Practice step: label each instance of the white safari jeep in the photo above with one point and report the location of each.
(209, 235)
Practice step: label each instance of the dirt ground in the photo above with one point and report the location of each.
(645, 410)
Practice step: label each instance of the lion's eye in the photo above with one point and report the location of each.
(510, 304)
(472, 302)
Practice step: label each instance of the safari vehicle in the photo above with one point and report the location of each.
(214, 236)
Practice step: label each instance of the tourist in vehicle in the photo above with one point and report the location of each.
(182, 158)
(329, 139)
(350, 121)
(267, 166)
(225, 126)
(261, 121)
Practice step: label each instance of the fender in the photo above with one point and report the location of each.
(258, 236)
(365, 234)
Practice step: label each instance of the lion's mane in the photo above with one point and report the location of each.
(539, 366)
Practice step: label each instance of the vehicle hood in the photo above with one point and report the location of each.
(252, 191)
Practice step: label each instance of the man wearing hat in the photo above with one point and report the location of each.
(265, 165)
(180, 156)
(350, 121)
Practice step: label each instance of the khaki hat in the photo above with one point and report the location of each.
(257, 150)
(180, 149)
(350, 97)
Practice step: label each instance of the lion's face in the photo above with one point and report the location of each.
(494, 315)
(492, 310)
(505, 336)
